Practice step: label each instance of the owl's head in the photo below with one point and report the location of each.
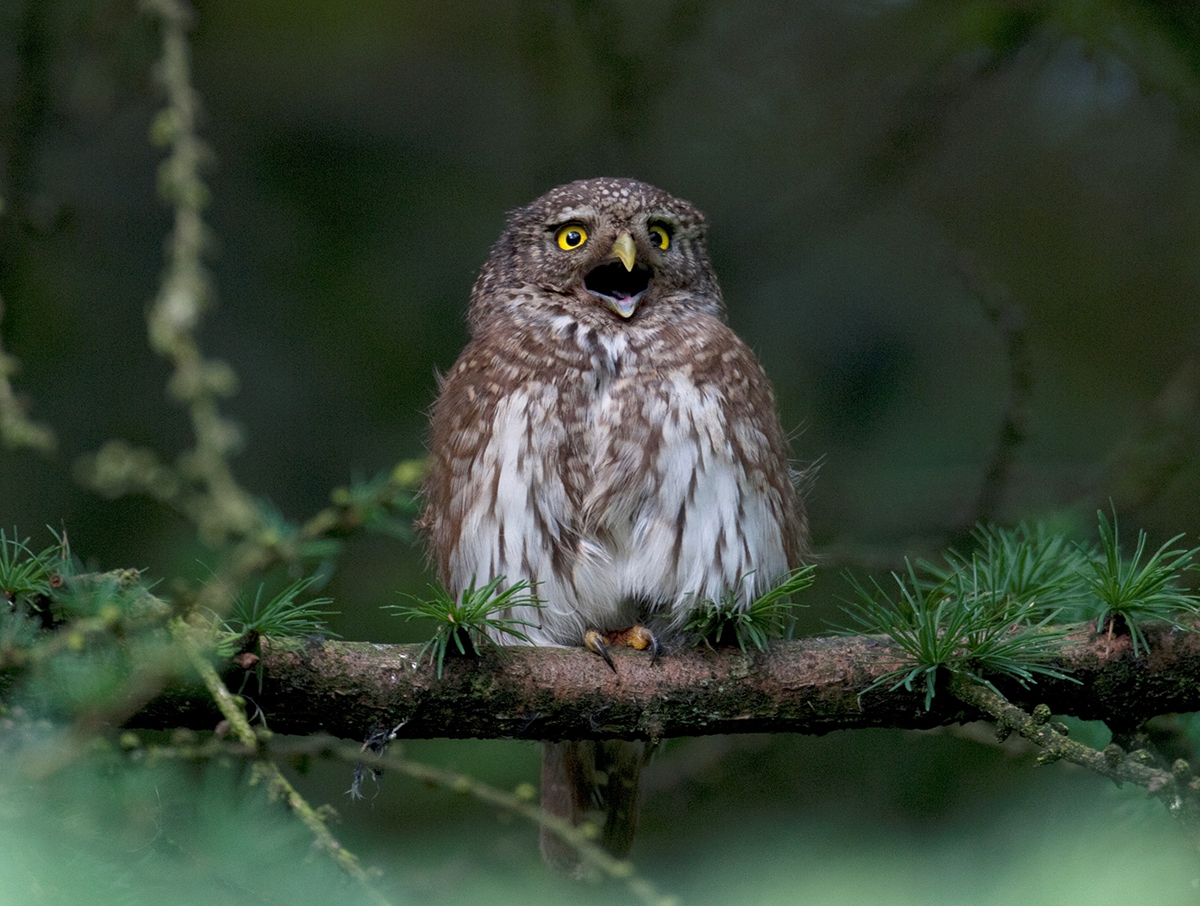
(607, 251)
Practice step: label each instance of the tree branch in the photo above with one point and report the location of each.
(801, 686)
(1178, 788)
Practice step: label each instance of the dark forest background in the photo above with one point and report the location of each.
(930, 220)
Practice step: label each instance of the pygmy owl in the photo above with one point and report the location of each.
(607, 437)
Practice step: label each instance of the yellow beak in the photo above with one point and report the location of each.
(624, 249)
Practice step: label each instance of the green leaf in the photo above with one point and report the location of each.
(471, 620)
(24, 575)
(967, 619)
(1027, 564)
(769, 616)
(1133, 591)
(281, 615)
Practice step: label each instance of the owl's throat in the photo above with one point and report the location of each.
(618, 288)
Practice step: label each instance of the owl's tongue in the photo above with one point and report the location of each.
(618, 288)
(623, 305)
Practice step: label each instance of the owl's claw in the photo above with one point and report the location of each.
(656, 648)
(593, 640)
(640, 638)
(637, 637)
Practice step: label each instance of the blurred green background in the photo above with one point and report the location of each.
(877, 176)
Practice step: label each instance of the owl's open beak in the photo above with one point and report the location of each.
(620, 284)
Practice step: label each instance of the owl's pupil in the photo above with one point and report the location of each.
(573, 238)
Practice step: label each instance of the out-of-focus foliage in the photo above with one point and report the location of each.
(115, 831)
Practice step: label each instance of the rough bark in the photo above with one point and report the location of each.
(802, 686)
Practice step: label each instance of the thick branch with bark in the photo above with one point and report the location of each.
(802, 686)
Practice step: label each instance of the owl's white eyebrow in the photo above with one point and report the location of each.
(570, 214)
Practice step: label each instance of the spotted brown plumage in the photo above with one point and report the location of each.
(607, 437)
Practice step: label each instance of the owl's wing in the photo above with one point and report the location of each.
(500, 499)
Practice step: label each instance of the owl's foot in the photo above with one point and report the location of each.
(637, 637)
(641, 638)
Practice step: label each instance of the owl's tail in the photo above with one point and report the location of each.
(582, 776)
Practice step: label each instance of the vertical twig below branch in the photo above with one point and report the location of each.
(266, 770)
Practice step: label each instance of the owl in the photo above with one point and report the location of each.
(607, 438)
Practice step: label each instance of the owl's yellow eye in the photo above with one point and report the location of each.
(571, 237)
(659, 235)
